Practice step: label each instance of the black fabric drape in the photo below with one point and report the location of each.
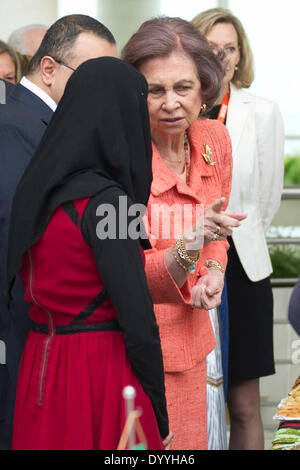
(121, 267)
(99, 137)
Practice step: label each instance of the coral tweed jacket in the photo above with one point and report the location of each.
(186, 332)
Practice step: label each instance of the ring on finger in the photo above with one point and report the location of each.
(218, 230)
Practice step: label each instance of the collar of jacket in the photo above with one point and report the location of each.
(238, 111)
(238, 95)
(164, 178)
(29, 100)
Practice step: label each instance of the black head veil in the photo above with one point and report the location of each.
(98, 137)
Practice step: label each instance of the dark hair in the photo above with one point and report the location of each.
(60, 37)
(161, 36)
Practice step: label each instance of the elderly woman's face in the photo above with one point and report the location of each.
(174, 98)
(7, 68)
(224, 36)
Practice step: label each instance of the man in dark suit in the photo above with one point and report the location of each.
(23, 120)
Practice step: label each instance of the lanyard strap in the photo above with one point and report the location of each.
(224, 107)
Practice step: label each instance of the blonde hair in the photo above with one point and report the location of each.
(6, 49)
(205, 21)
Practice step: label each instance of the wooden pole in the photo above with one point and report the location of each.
(129, 394)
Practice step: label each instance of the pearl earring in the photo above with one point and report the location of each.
(203, 108)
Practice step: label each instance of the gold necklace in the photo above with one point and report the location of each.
(186, 146)
(187, 158)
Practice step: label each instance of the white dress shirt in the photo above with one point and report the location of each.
(39, 92)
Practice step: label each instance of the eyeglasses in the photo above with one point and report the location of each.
(222, 53)
(60, 62)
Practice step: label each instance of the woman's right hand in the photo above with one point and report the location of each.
(218, 225)
(213, 225)
(168, 441)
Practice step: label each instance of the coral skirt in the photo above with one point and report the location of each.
(69, 394)
(187, 407)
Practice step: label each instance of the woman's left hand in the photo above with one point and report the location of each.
(207, 292)
(168, 441)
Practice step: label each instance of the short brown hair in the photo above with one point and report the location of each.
(161, 36)
(205, 21)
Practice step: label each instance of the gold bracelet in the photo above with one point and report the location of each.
(181, 251)
(181, 264)
(210, 263)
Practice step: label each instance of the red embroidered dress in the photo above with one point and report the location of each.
(75, 362)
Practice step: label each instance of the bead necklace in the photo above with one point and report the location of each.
(187, 157)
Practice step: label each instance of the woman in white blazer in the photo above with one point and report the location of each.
(256, 130)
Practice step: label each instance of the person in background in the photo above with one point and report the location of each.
(93, 325)
(9, 64)
(24, 62)
(26, 41)
(23, 120)
(192, 166)
(256, 130)
(5, 89)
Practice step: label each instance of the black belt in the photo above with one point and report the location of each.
(70, 329)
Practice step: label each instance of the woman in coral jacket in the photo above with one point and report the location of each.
(256, 130)
(192, 166)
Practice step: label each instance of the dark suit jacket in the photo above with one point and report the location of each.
(23, 120)
(5, 90)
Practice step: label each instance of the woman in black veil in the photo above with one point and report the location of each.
(93, 326)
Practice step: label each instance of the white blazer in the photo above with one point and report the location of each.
(256, 129)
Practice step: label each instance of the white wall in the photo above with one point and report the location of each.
(17, 13)
(124, 17)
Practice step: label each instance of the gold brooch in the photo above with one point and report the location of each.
(207, 155)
